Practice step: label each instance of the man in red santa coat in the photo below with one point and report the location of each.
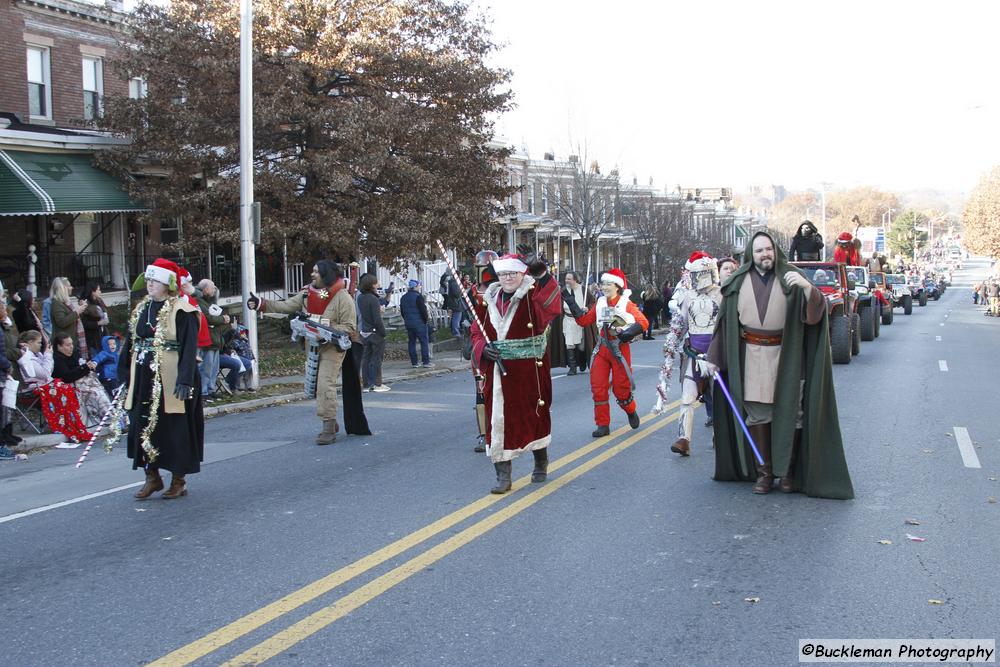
(619, 321)
(515, 312)
(845, 250)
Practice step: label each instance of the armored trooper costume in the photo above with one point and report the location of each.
(691, 328)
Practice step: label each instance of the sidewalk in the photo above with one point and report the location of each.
(392, 371)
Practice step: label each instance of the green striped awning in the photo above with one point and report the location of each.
(49, 183)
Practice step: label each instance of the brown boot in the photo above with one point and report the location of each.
(787, 483)
(761, 434)
(682, 447)
(178, 488)
(329, 434)
(153, 484)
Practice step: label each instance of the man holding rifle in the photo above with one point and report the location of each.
(327, 300)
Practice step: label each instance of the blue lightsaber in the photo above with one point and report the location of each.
(739, 417)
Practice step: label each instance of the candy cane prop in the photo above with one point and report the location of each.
(100, 426)
(468, 302)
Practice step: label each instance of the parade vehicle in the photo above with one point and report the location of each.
(916, 287)
(932, 289)
(901, 295)
(869, 305)
(885, 292)
(841, 296)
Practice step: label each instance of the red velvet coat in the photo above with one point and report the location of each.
(518, 404)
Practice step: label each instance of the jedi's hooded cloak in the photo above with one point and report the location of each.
(805, 355)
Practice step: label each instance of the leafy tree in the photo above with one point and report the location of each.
(372, 122)
(867, 203)
(907, 232)
(981, 217)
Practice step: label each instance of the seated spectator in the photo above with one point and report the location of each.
(58, 399)
(237, 345)
(71, 369)
(107, 363)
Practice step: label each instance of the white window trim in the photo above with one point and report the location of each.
(46, 74)
(98, 82)
(142, 85)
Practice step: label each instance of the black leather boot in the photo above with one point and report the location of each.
(503, 477)
(761, 434)
(571, 360)
(541, 465)
(787, 483)
(601, 431)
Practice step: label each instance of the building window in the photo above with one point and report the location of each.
(170, 231)
(39, 86)
(137, 88)
(529, 197)
(93, 88)
(545, 199)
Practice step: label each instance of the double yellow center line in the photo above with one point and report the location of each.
(315, 622)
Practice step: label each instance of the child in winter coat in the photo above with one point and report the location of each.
(107, 363)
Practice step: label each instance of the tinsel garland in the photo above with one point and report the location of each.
(159, 337)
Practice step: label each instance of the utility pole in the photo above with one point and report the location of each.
(249, 213)
(822, 208)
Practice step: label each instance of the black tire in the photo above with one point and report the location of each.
(937, 295)
(868, 323)
(923, 299)
(855, 334)
(887, 314)
(908, 304)
(878, 319)
(840, 339)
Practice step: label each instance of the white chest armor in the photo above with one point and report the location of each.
(702, 309)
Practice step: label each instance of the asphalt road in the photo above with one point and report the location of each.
(388, 549)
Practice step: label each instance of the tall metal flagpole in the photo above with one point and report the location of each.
(248, 279)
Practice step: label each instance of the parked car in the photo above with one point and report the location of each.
(842, 305)
(901, 295)
(869, 305)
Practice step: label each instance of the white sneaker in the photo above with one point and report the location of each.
(380, 388)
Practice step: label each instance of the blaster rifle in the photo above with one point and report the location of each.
(316, 334)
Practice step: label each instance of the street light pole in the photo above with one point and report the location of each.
(248, 220)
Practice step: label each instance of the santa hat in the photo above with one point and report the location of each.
(614, 276)
(184, 275)
(845, 237)
(161, 270)
(510, 263)
(699, 261)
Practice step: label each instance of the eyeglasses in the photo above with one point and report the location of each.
(508, 274)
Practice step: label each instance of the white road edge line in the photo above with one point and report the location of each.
(965, 447)
(937, 337)
(943, 365)
(71, 501)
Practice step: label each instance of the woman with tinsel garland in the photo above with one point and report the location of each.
(163, 399)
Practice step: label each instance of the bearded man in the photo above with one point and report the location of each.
(773, 339)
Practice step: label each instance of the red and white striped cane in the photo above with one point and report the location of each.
(101, 425)
(468, 302)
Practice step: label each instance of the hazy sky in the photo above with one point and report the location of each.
(712, 93)
(726, 93)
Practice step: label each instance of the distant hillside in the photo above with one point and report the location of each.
(926, 199)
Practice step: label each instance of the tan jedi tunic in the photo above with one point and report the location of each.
(760, 369)
(168, 368)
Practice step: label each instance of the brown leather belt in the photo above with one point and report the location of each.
(760, 337)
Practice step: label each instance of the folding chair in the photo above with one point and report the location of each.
(221, 384)
(28, 402)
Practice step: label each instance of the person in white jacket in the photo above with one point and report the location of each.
(59, 402)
